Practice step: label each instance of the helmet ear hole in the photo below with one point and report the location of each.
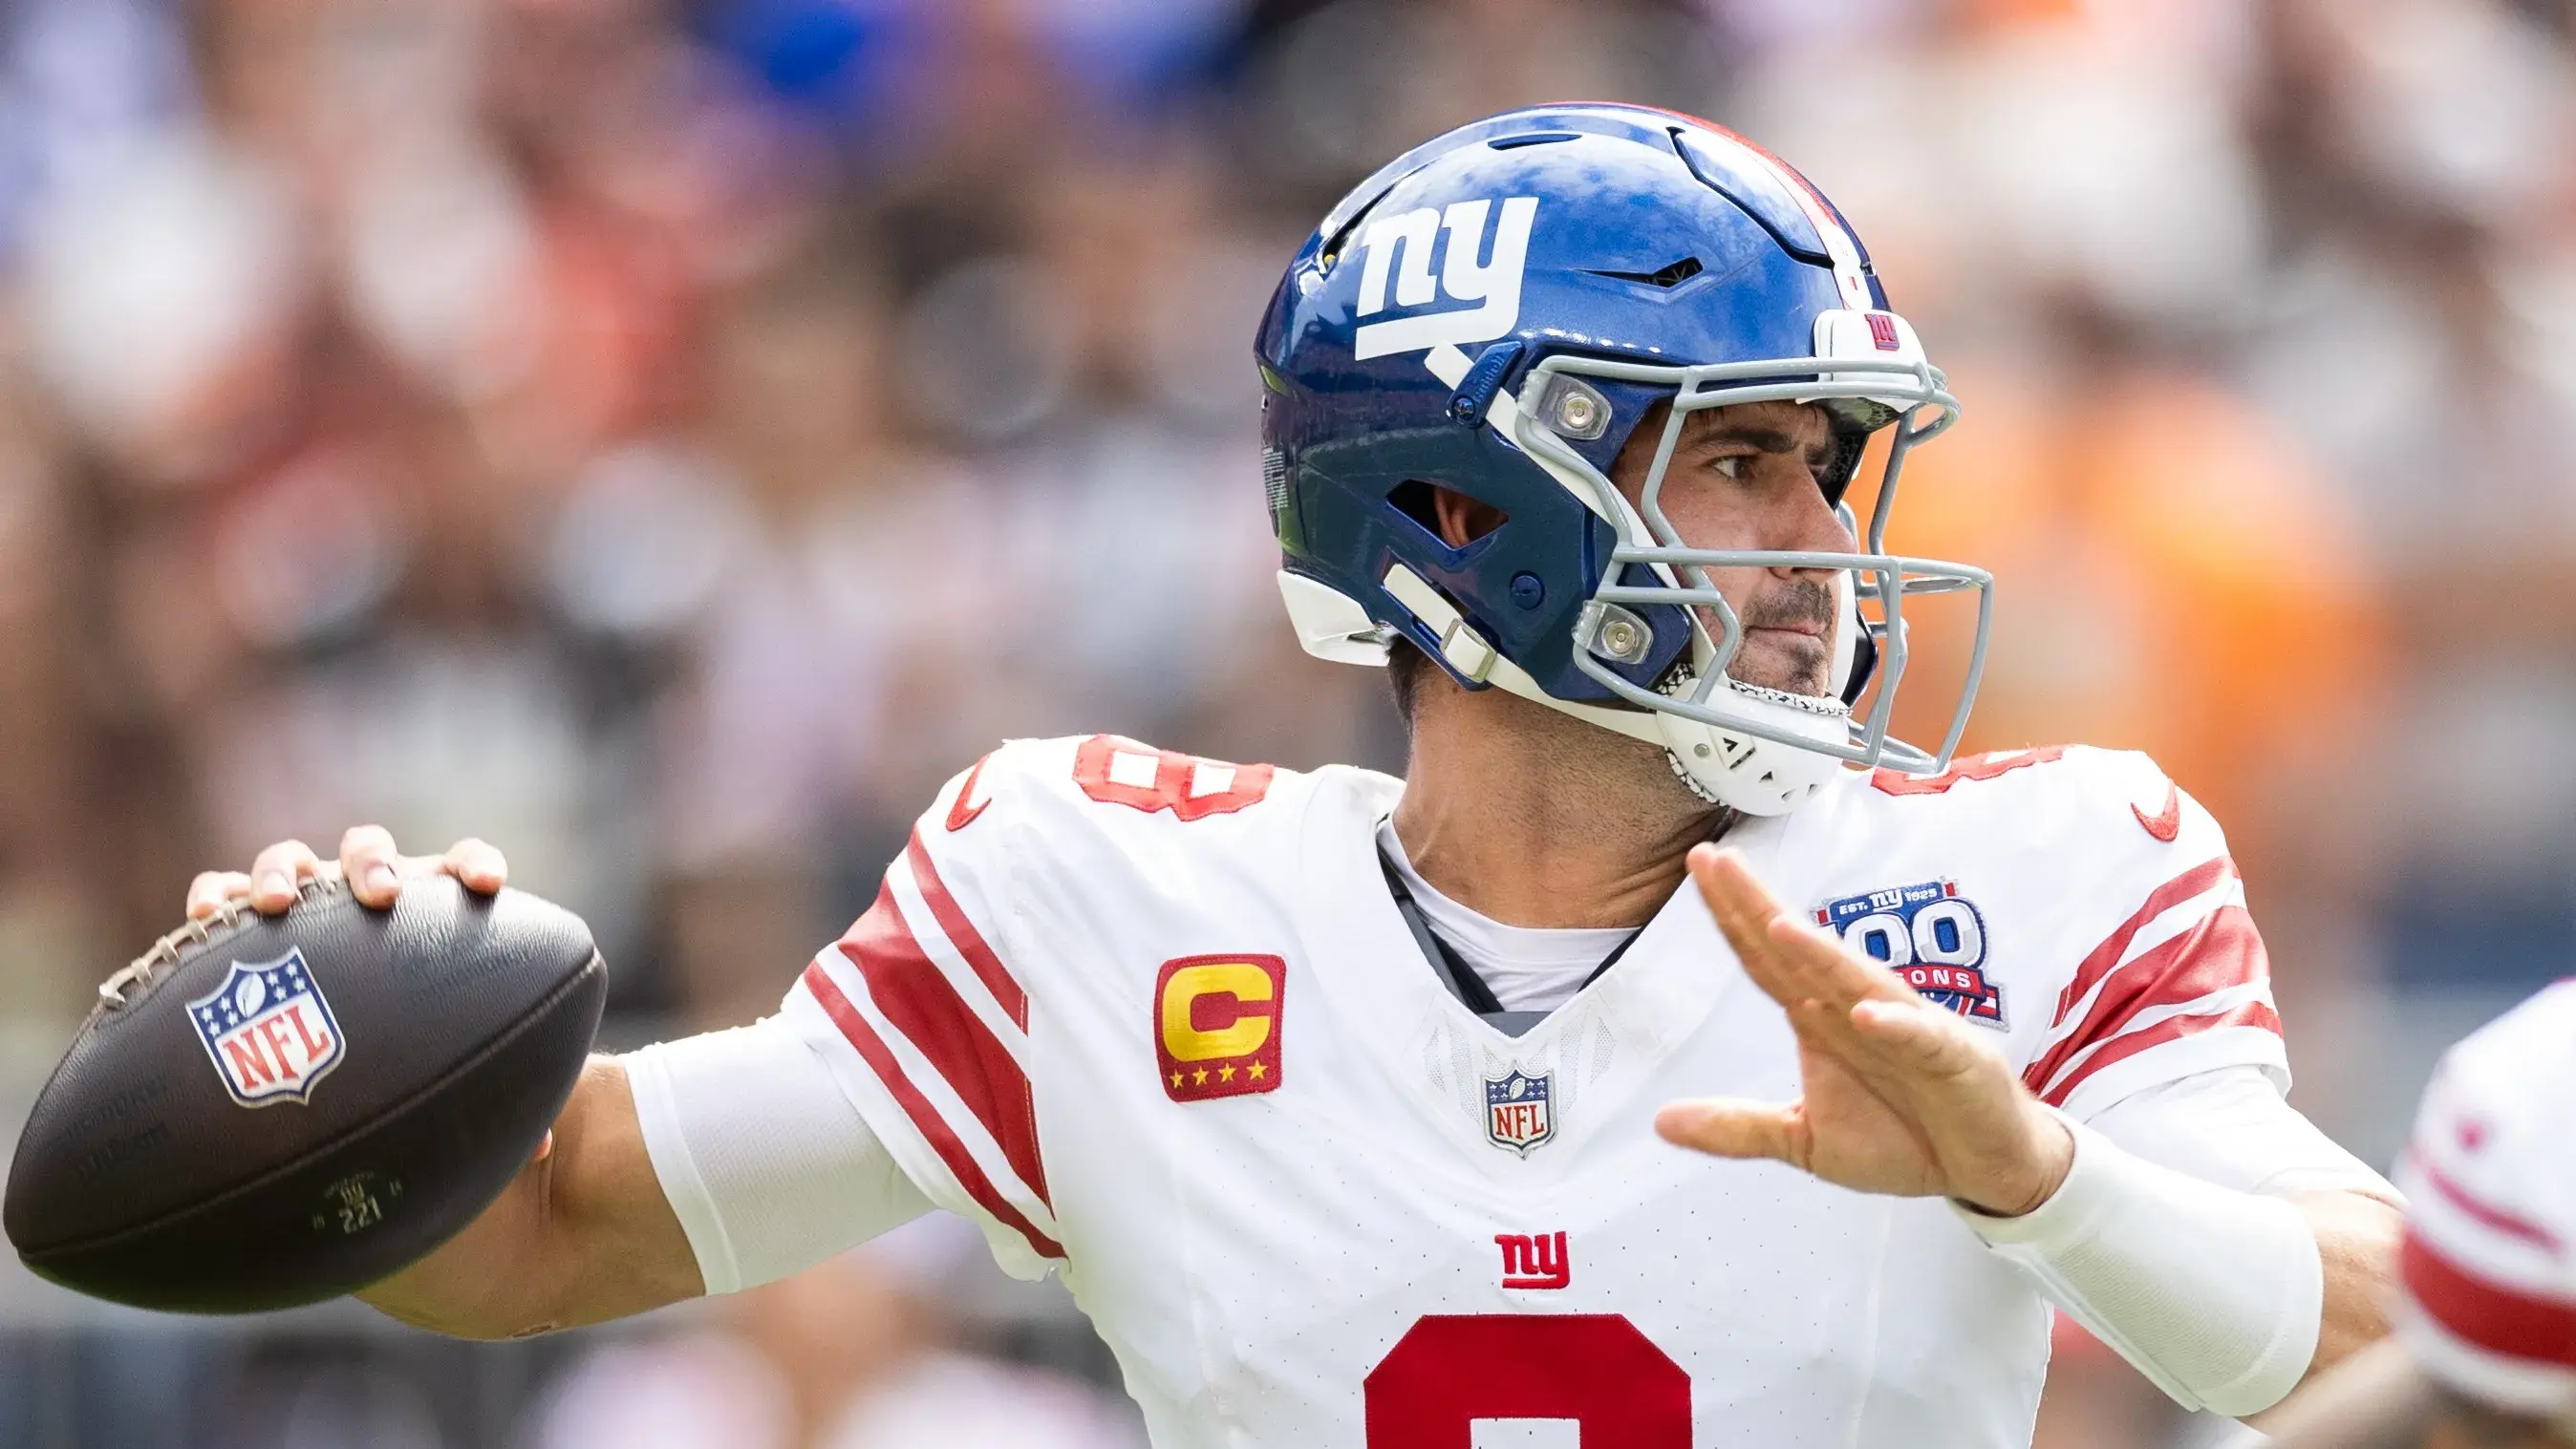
(1456, 519)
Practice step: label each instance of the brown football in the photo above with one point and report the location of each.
(266, 1112)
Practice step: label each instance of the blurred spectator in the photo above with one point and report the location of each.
(670, 438)
(2094, 1400)
(858, 1353)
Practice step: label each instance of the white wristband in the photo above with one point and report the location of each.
(2215, 1295)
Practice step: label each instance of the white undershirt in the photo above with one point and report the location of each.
(1528, 968)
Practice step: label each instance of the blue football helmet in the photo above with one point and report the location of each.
(1494, 313)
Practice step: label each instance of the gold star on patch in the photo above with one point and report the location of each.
(1225, 1073)
(1199, 1077)
(1176, 1079)
(1257, 1071)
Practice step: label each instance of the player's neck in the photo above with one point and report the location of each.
(1535, 819)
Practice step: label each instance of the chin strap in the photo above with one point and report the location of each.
(1477, 660)
(1480, 662)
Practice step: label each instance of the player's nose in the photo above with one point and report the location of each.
(1803, 522)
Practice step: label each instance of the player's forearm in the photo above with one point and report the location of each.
(2226, 1299)
(581, 1236)
(2357, 1244)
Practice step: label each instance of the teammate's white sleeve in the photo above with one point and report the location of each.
(767, 1165)
(2488, 1271)
(2178, 982)
(2233, 1128)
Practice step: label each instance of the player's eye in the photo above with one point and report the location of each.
(1729, 467)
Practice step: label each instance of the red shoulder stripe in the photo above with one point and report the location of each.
(2221, 950)
(925, 1007)
(2490, 1316)
(2098, 963)
(962, 934)
(924, 1117)
(2172, 1028)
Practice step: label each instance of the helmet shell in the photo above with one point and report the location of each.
(1642, 235)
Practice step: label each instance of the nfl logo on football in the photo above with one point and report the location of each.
(271, 1034)
(1517, 1111)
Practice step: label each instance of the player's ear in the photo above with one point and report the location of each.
(1457, 519)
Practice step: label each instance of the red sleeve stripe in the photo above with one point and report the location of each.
(962, 934)
(2483, 1213)
(925, 1118)
(2256, 1014)
(2222, 950)
(2195, 881)
(2486, 1315)
(919, 1001)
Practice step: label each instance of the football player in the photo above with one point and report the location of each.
(2485, 1351)
(1336, 1097)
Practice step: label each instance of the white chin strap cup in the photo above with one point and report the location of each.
(1756, 776)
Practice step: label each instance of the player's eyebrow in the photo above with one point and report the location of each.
(1760, 439)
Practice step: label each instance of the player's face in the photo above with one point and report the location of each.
(1746, 477)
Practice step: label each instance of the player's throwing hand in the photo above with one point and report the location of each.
(369, 862)
(1900, 1097)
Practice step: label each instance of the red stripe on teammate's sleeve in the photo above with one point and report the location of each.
(2221, 950)
(2485, 1214)
(925, 1007)
(2172, 893)
(2173, 1028)
(2497, 1319)
(961, 932)
(925, 1118)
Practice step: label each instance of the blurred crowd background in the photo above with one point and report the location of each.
(667, 437)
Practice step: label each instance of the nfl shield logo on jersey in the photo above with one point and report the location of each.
(1518, 1114)
(1928, 934)
(269, 1031)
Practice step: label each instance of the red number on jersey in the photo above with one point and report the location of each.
(1117, 771)
(1449, 1372)
(1975, 767)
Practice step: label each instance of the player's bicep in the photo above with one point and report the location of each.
(767, 1167)
(2233, 1128)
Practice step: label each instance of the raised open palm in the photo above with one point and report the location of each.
(1900, 1097)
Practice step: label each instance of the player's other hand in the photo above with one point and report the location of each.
(368, 860)
(1900, 1096)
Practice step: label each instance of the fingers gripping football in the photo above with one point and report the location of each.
(369, 861)
(1898, 1096)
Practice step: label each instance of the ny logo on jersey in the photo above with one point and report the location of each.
(1518, 1110)
(1535, 1260)
(1494, 286)
(1928, 934)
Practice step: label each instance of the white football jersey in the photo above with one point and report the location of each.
(1157, 1022)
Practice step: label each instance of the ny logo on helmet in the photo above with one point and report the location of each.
(1495, 285)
